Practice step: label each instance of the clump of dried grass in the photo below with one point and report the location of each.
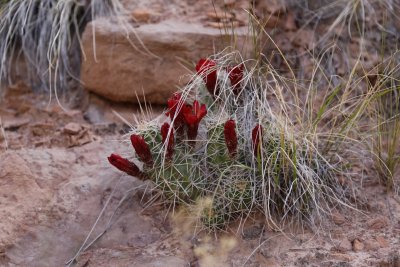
(40, 39)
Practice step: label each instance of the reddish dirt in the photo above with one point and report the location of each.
(55, 181)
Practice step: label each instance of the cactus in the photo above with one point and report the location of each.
(230, 147)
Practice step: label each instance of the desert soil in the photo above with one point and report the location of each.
(55, 181)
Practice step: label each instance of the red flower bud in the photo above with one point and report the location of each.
(256, 136)
(170, 145)
(231, 137)
(142, 149)
(125, 165)
(236, 77)
(175, 102)
(193, 115)
(207, 68)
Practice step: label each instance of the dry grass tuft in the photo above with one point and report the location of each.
(43, 38)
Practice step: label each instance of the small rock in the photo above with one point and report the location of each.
(15, 123)
(371, 245)
(81, 139)
(141, 15)
(73, 113)
(344, 245)
(357, 245)
(378, 223)
(338, 218)
(290, 23)
(382, 242)
(72, 128)
(42, 129)
(342, 180)
(40, 143)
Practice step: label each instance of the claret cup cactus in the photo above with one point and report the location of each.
(221, 140)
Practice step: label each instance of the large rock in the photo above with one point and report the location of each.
(116, 70)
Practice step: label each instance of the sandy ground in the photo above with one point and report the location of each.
(55, 181)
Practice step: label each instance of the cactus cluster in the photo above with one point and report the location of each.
(222, 141)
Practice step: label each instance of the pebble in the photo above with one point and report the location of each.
(377, 223)
(344, 245)
(42, 129)
(357, 245)
(383, 242)
(15, 123)
(290, 23)
(72, 128)
(371, 245)
(141, 15)
(338, 218)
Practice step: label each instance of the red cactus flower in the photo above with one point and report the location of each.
(231, 137)
(207, 68)
(125, 165)
(170, 146)
(193, 115)
(236, 77)
(175, 102)
(142, 149)
(256, 136)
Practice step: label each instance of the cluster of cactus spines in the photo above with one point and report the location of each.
(233, 150)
